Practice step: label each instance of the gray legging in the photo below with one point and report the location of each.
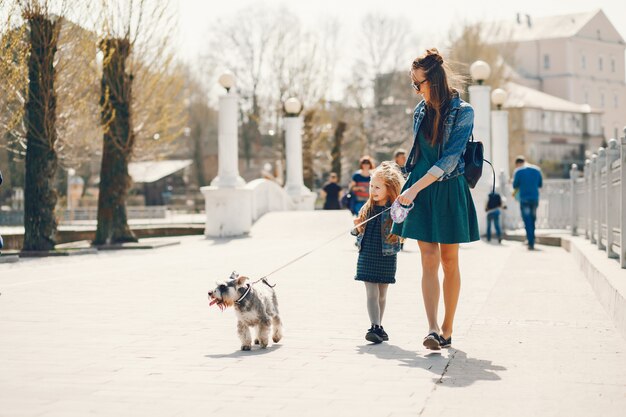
(376, 300)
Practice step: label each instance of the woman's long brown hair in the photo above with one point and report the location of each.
(435, 71)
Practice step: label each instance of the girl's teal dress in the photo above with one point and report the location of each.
(444, 211)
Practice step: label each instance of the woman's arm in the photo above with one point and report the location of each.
(460, 134)
(410, 193)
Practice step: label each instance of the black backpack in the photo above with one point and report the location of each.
(474, 158)
(494, 201)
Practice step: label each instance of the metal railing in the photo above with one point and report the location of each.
(591, 203)
(598, 209)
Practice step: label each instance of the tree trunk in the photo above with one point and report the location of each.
(40, 118)
(336, 151)
(307, 149)
(118, 141)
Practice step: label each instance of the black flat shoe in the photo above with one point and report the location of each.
(382, 333)
(432, 341)
(373, 336)
(445, 343)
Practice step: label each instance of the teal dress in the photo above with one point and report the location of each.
(444, 211)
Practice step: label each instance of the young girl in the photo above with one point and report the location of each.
(377, 246)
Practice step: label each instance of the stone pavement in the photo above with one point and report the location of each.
(129, 333)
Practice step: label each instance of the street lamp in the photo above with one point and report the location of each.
(480, 71)
(498, 97)
(227, 80)
(293, 106)
(301, 196)
(500, 135)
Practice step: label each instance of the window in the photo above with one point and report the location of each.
(616, 101)
(600, 63)
(602, 100)
(546, 62)
(612, 64)
(586, 97)
(583, 62)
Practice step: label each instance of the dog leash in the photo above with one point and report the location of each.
(264, 278)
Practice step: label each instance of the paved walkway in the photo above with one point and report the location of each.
(130, 334)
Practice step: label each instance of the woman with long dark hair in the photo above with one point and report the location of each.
(443, 215)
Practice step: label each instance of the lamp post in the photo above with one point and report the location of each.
(500, 133)
(293, 147)
(481, 101)
(302, 197)
(480, 98)
(227, 202)
(227, 141)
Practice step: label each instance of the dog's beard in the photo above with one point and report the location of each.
(222, 304)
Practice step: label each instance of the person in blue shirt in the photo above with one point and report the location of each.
(527, 181)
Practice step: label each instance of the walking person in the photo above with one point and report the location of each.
(359, 186)
(400, 158)
(331, 192)
(494, 204)
(443, 215)
(527, 180)
(376, 266)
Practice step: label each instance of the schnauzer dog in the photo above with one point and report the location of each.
(255, 305)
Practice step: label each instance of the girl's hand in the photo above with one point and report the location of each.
(407, 197)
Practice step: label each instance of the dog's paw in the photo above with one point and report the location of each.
(263, 344)
(256, 341)
(276, 338)
(246, 347)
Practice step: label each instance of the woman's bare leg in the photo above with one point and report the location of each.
(451, 285)
(430, 282)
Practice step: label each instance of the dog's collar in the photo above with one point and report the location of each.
(244, 294)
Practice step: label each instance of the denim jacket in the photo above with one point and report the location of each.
(457, 130)
(389, 247)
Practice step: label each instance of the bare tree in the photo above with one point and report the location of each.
(470, 43)
(383, 65)
(242, 43)
(139, 101)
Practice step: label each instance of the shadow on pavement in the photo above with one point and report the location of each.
(463, 370)
(242, 354)
(456, 370)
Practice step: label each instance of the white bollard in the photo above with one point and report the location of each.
(228, 205)
(500, 141)
(301, 196)
(480, 98)
(227, 143)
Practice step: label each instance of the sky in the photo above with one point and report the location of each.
(433, 19)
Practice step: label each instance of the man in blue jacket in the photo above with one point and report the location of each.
(527, 181)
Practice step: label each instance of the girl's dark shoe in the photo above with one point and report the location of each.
(382, 333)
(373, 336)
(432, 341)
(445, 343)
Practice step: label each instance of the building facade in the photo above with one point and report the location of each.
(577, 57)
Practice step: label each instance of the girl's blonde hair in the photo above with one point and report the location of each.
(390, 173)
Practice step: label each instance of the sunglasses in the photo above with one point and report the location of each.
(417, 86)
